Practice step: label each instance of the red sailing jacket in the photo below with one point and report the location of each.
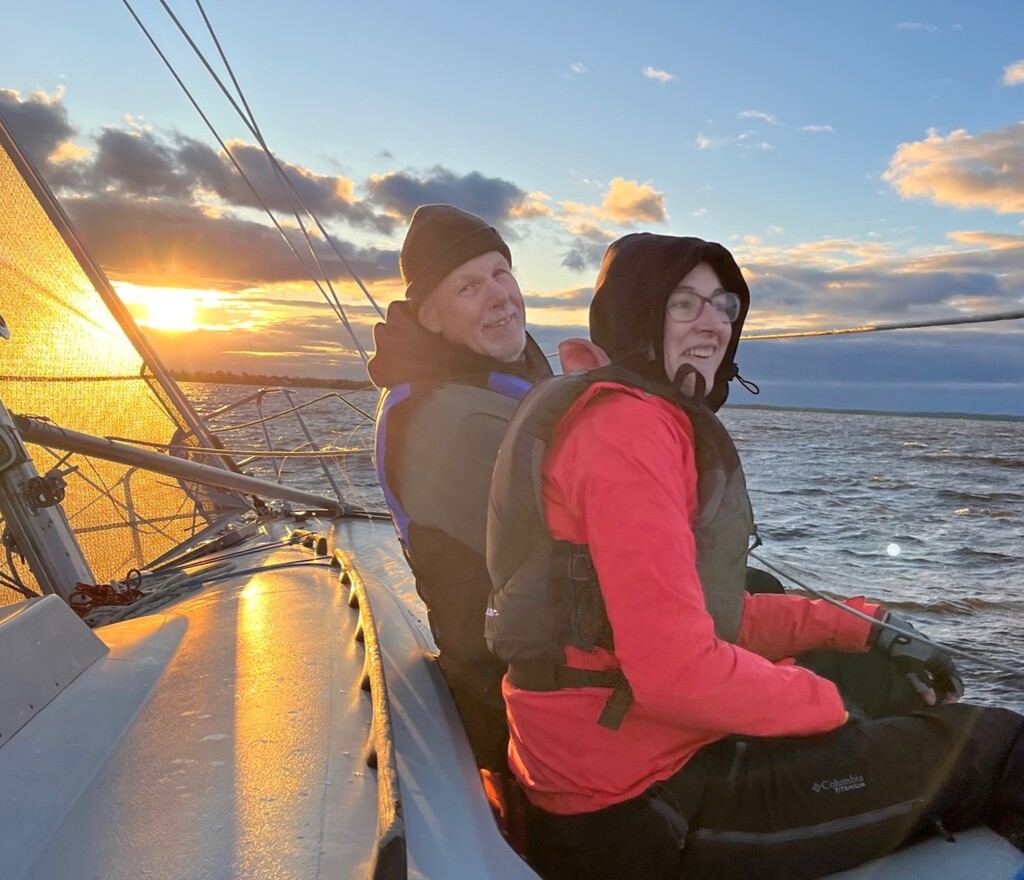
(620, 478)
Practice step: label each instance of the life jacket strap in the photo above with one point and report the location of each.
(543, 675)
(615, 709)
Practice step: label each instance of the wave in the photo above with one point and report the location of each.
(960, 607)
(985, 513)
(960, 495)
(879, 483)
(994, 460)
(798, 492)
(983, 555)
(786, 533)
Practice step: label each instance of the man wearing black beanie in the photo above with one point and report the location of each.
(454, 357)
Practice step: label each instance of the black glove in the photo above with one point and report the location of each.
(855, 712)
(927, 666)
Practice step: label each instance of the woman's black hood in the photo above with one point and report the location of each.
(627, 314)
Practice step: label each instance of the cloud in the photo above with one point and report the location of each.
(584, 254)
(940, 370)
(136, 163)
(1013, 75)
(169, 244)
(917, 26)
(496, 200)
(704, 142)
(837, 282)
(758, 114)
(815, 129)
(326, 196)
(625, 202)
(963, 170)
(628, 201)
(577, 69)
(574, 298)
(301, 346)
(41, 125)
(662, 76)
(131, 160)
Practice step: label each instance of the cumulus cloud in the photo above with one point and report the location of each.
(1013, 75)
(494, 199)
(577, 69)
(625, 202)
(327, 196)
(628, 201)
(662, 76)
(131, 160)
(574, 298)
(705, 142)
(963, 170)
(585, 251)
(758, 114)
(815, 129)
(917, 26)
(161, 208)
(136, 163)
(41, 125)
(846, 282)
(153, 242)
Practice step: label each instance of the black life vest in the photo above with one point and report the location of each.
(387, 441)
(451, 578)
(546, 593)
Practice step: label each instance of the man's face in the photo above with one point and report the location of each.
(479, 306)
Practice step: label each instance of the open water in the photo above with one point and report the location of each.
(925, 514)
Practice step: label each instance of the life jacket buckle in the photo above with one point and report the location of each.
(581, 566)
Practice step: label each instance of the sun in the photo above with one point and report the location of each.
(167, 312)
(161, 308)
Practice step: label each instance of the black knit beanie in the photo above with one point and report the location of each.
(440, 239)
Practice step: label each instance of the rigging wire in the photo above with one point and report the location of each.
(253, 453)
(957, 652)
(334, 303)
(874, 328)
(255, 129)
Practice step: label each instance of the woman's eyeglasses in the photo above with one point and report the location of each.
(687, 305)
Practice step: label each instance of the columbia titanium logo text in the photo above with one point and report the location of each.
(847, 783)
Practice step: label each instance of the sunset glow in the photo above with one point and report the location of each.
(911, 213)
(171, 313)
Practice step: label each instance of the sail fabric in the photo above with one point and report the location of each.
(70, 361)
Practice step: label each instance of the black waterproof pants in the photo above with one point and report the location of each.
(803, 807)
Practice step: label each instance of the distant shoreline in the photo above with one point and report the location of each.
(988, 417)
(222, 377)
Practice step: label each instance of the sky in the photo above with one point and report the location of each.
(863, 161)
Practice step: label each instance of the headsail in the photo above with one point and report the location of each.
(76, 357)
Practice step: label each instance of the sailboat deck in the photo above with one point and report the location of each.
(227, 734)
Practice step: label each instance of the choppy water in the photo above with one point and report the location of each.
(923, 514)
